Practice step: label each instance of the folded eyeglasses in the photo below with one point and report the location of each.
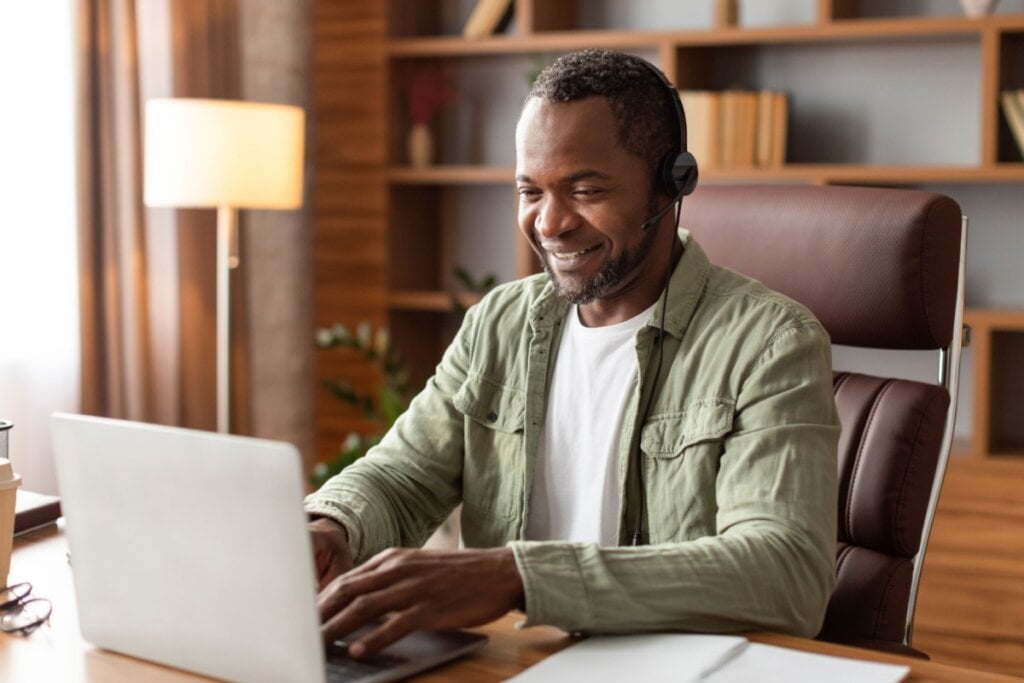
(21, 614)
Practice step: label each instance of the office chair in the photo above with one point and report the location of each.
(883, 269)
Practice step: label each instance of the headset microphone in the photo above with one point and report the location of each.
(646, 225)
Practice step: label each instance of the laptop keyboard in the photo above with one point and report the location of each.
(344, 669)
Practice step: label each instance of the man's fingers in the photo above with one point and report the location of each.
(332, 571)
(392, 630)
(364, 608)
(336, 595)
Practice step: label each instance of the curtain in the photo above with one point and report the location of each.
(147, 277)
(148, 290)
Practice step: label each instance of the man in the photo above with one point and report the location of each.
(604, 490)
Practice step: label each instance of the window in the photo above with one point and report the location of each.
(39, 333)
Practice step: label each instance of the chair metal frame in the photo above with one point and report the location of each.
(949, 377)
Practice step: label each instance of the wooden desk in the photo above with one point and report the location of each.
(58, 653)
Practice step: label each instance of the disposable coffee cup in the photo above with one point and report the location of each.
(5, 438)
(9, 483)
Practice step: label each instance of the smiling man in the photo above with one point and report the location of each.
(640, 440)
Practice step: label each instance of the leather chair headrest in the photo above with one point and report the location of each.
(841, 251)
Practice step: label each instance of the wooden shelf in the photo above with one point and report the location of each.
(809, 173)
(998, 382)
(841, 30)
(428, 300)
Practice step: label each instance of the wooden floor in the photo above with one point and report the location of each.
(971, 606)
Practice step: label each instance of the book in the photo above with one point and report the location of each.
(486, 18)
(33, 510)
(730, 123)
(738, 128)
(701, 110)
(1013, 109)
(780, 121)
(765, 127)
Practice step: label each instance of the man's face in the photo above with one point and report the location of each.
(582, 199)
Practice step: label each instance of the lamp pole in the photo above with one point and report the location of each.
(227, 259)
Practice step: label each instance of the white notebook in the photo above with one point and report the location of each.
(686, 658)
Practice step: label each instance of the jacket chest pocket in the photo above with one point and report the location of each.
(681, 455)
(492, 471)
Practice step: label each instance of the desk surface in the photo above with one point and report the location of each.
(58, 652)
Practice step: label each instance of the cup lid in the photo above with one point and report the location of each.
(8, 479)
(5, 425)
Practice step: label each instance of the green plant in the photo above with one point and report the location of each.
(484, 285)
(380, 406)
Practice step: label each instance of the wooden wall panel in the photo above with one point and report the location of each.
(971, 606)
(349, 196)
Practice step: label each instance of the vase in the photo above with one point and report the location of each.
(421, 145)
(978, 8)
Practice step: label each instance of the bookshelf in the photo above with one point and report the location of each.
(370, 201)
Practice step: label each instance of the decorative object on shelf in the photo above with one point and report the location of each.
(488, 17)
(1013, 109)
(727, 13)
(428, 91)
(202, 153)
(978, 8)
(381, 406)
(420, 145)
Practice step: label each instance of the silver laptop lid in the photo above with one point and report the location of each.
(190, 548)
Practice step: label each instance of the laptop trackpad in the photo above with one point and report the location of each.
(416, 652)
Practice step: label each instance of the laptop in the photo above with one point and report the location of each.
(190, 549)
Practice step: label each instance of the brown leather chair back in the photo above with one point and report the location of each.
(879, 268)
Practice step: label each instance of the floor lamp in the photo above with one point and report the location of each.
(228, 155)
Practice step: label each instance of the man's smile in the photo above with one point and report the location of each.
(567, 255)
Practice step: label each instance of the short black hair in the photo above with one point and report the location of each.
(645, 119)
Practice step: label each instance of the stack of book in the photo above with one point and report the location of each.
(736, 128)
(1013, 110)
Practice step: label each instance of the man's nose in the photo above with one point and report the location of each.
(553, 218)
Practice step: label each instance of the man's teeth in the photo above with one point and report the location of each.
(566, 255)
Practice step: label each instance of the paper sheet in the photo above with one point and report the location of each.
(686, 658)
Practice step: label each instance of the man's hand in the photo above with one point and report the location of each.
(331, 552)
(411, 590)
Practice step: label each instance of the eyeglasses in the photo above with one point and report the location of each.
(21, 614)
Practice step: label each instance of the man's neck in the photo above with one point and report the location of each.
(635, 297)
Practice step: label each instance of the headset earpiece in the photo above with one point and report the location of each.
(678, 172)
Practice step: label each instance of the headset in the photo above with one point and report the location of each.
(677, 172)
(676, 176)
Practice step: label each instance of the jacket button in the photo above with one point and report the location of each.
(492, 416)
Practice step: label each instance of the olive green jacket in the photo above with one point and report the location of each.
(739, 462)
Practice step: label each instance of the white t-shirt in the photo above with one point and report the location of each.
(576, 493)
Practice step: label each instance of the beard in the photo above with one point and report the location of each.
(611, 274)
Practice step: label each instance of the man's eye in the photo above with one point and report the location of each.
(528, 192)
(587, 192)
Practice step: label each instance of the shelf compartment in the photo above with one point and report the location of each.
(997, 344)
(1010, 58)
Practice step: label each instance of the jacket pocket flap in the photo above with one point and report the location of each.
(668, 434)
(491, 404)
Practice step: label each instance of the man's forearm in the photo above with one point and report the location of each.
(762, 577)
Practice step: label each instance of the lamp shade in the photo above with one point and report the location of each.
(211, 153)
